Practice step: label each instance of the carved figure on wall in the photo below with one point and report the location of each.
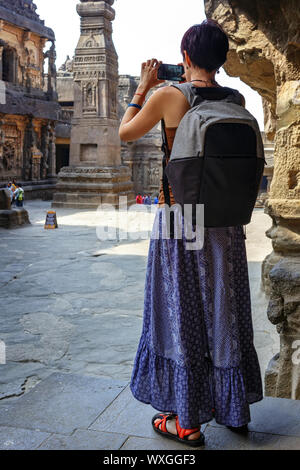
(140, 174)
(9, 153)
(52, 59)
(51, 56)
(30, 57)
(27, 155)
(91, 42)
(154, 176)
(45, 151)
(36, 166)
(52, 148)
(113, 96)
(89, 95)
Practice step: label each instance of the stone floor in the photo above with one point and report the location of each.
(71, 311)
(49, 417)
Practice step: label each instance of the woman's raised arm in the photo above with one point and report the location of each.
(137, 122)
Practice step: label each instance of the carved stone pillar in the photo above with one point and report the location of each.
(36, 163)
(1, 58)
(264, 52)
(2, 141)
(27, 153)
(282, 267)
(21, 125)
(52, 152)
(96, 174)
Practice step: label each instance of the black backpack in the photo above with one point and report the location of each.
(217, 158)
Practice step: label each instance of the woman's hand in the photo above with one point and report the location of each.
(149, 78)
(183, 76)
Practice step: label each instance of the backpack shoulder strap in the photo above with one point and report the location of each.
(238, 99)
(166, 190)
(195, 95)
(166, 156)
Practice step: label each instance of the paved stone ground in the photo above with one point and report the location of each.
(72, 302)
(49, 417)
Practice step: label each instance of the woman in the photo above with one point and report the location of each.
(195, 360)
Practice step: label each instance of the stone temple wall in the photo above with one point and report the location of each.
(28, 105)
(265, 54)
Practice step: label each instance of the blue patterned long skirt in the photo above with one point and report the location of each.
(196, 351)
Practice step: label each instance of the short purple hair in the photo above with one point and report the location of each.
(206, 44)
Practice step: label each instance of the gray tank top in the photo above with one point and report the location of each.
(188, 88)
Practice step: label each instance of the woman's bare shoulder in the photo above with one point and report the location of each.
(167, 90)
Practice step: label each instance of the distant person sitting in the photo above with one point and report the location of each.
(143, 199)
(156, 200)
(19, 195)
(11, 191)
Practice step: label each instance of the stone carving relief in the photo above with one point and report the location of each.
(89, 93)
(46, 151)
(51, 56)
(2, 141)
(31, 59)
(154, 177)
(92, 59)
(9, 155)
(113, 98)
(89, 74)
(29, 143)
(91, 42)
(11, 142)
(294, 180)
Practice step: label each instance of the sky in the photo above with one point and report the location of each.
(142, 29)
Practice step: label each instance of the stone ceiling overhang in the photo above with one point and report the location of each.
(36, 104)
(26, 23)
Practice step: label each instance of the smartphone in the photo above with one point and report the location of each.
(170, 72)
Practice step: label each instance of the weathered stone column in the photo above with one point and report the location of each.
(95, 174)
(2, 43)
(264, 53)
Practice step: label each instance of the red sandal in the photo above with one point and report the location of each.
(182, 434)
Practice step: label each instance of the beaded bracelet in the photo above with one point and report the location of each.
(135, 105)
